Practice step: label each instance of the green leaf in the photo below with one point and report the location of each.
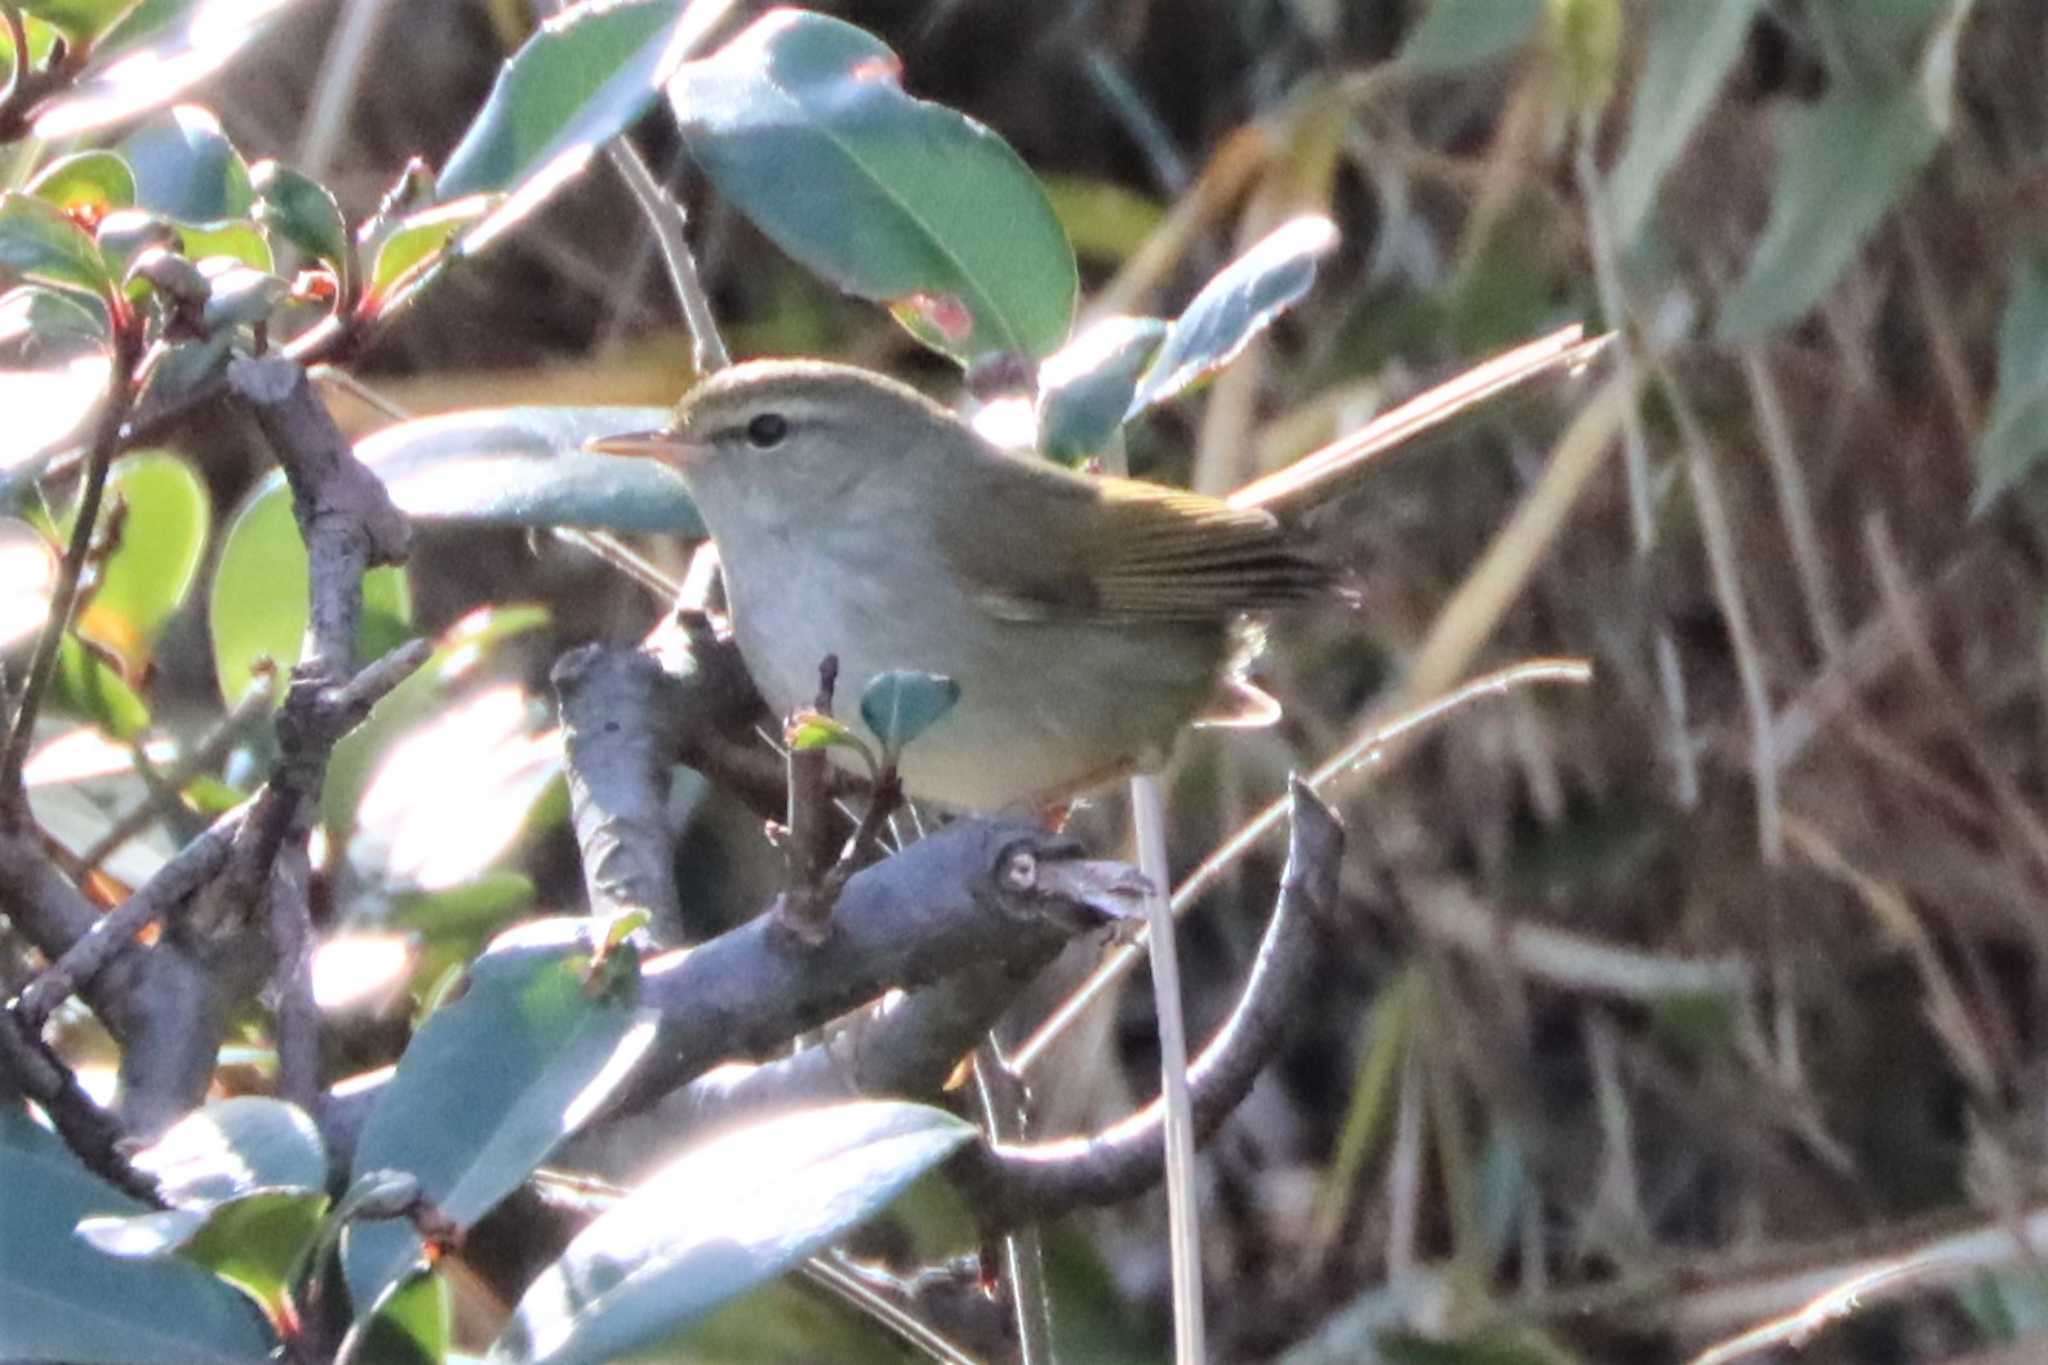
(234, 1147)
(40, 245)
(179, 371)
(1239, 303)
(1842, 164)
(258, 605)
(99, 182)
(88, 686)
(2016, 433)
(409, 1325)
(420, 699)
(303, 211)
(527, 467)
(816, 730)
(155, 50)
(900, 706)
(1457, 35)
(451, 795)
(62, 1300)
(581, 80)
(419, 240)
(1085, 387)
(164, 518)
(801, 123)
(42, 41)
(232, 239)
(492, 1083)
(185, 168)
(54, 370)
(256, 1241)
(240, 296)
(1692, 48)
(729, 1215)
(80, 21)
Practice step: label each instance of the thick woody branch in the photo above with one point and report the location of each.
(976, 895)
(906, 1047)
(1014, 1185)
(618, 708)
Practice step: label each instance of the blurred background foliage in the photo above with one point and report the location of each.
(1673, 1000)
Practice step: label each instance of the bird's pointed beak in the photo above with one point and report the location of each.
(664, 445)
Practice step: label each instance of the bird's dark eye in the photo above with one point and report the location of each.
(766, 430)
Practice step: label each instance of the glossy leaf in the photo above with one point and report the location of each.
(28, 575)
(527, 467)
(1842, 163)
(54, 370)
(1235, 306)
(62, 1300)
(241, 296)
(40, 245)
(719, 1220)
(801, 123)
(96, 183)
(1085, 388)
(452, 794)
(80, 21)
(585, 77)
(257, 1241)
(417, 701)
(185, 168)
(2016, 434)
(155, 50)
(557, 1040)
(418, 240)
(1692, 48)
(258, 605)
(302, 211)
(86, 685)
(899, 706)
(231, 239)
(1457, 35)
(234, 1147)
(409, 1325)
(164, 516)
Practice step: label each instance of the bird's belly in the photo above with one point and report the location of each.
(1045, 707)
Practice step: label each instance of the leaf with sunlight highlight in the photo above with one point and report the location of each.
(28, 575)
(719, 1220)
(1235, 306)
(560, 1031)
(585, 77)
(1085, 387)
(802, 123)
(60, 1299)
(452, 795)
(157, 49)
(527, 467)
(236, 1146)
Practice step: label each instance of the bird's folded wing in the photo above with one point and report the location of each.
(1051, 545)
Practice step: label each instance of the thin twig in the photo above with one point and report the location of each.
(208, 754)
(1367, 749)
(665, 216)
(64, 598)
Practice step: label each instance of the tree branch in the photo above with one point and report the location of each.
(1011, 1185)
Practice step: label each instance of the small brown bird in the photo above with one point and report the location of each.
(1087, 620)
